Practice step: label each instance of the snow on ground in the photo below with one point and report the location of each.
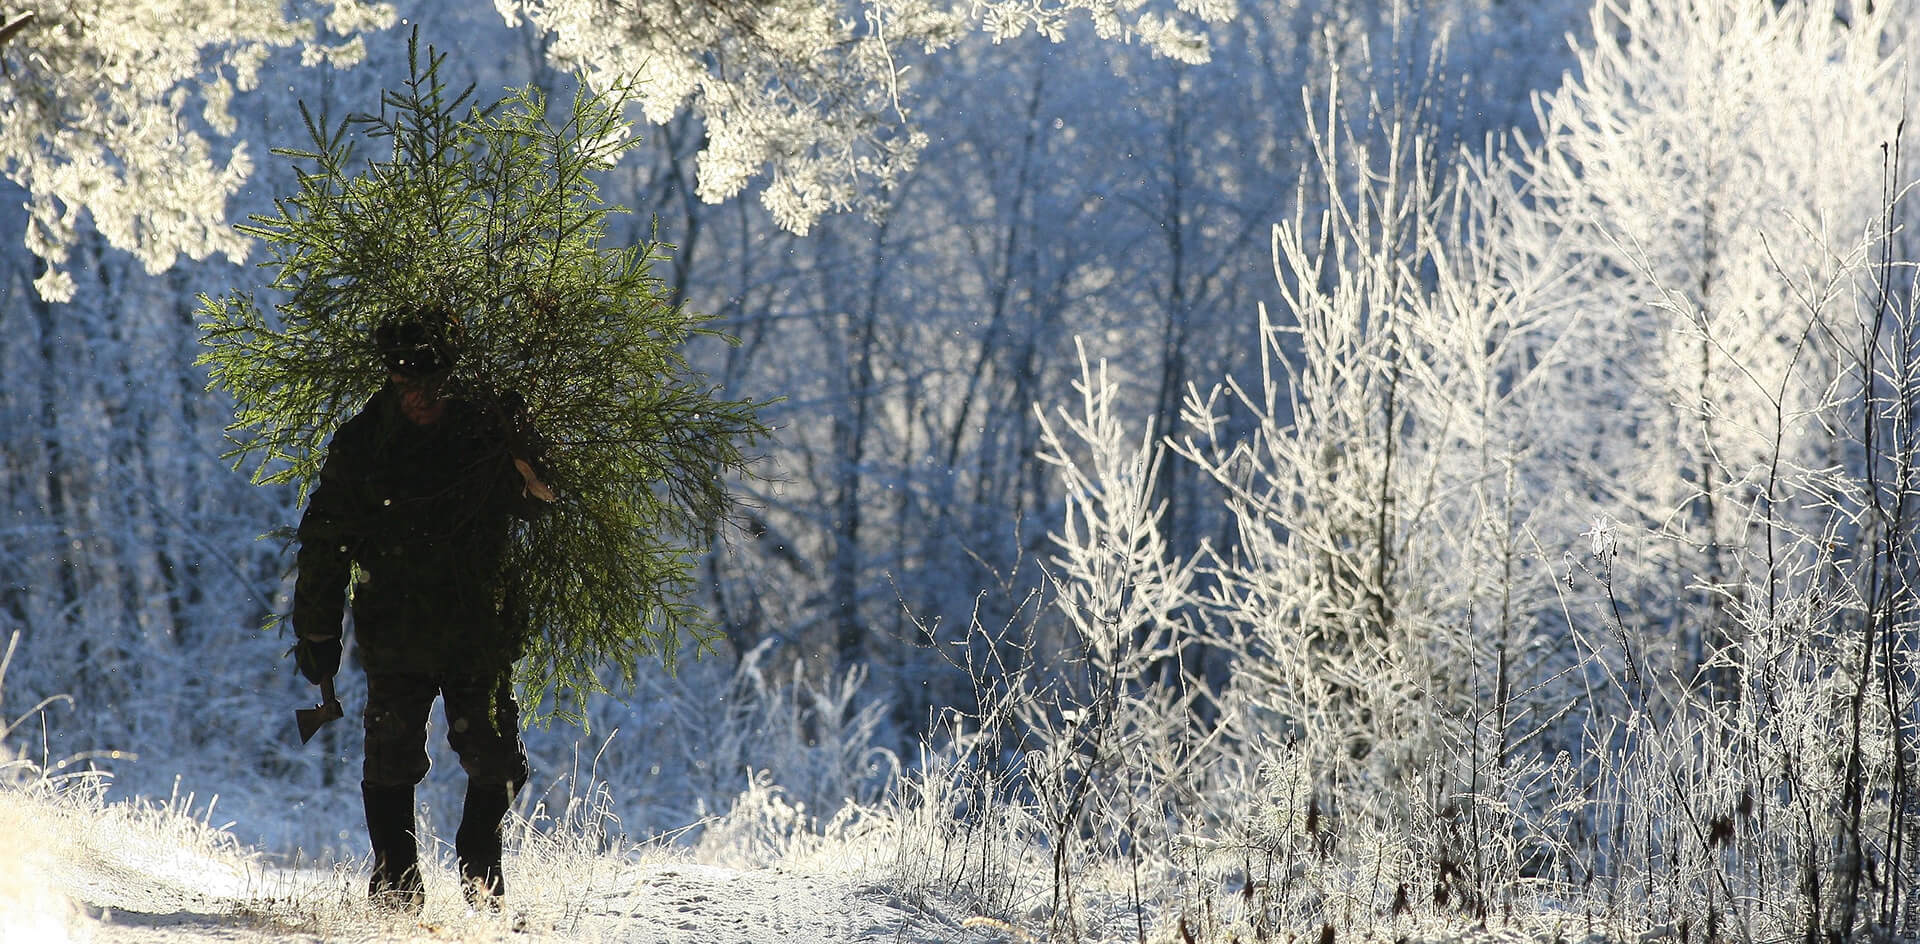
(645, 903)
(75, 871)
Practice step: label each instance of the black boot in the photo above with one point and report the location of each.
(395, 884)
(477, 844)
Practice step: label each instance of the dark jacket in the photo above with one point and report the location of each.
(426, 512)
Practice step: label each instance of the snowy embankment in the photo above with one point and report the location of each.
(74, 868)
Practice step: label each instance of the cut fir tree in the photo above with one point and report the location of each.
(492, 214)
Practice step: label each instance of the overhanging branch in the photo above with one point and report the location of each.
(14, 25)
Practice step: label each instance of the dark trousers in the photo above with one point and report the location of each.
(483, 727)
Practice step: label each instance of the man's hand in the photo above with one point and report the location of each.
(535, 487)
(319, 659)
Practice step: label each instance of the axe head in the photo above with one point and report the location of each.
(311, 719)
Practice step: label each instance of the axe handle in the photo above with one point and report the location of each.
(326, 692)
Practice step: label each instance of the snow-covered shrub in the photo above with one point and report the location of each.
(683, 748)
(1105, 745)
(1734, 349)
(1379, 592)
(1055, 802)
(1508, 643)
(961, 836)
(1701, 239)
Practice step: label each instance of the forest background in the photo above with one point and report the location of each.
(1426, 460)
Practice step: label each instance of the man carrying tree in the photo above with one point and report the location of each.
(415, 504)
(493, 212)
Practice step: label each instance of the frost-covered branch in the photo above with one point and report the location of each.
(96, 116)
(814, 95)
(1119, 587)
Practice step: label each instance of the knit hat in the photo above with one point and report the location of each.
(415, 342)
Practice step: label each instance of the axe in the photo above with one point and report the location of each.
(310, 719)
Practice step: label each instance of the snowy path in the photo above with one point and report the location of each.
(673, 902)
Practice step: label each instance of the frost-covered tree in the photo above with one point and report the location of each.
(1679, 190)
(1376, 518)
(97, 116)
(815, 94)
(99, 99)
